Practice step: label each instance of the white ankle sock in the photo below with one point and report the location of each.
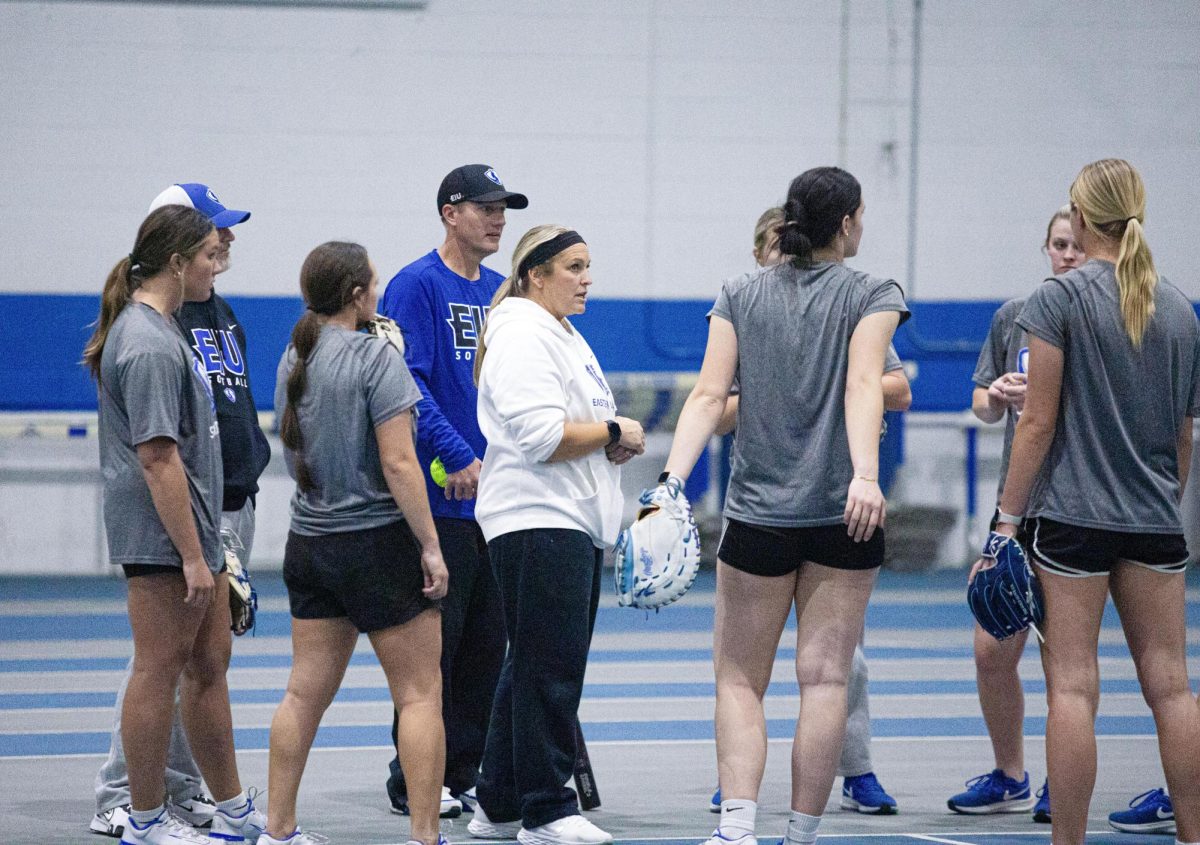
(802, 828)
(737, 817)
(229, 805)
(144, 817)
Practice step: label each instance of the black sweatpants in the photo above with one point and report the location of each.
(549, 581)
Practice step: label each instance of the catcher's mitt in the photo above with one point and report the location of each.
(658, 557)
(1006, 598)
(386, 328)
(243, 599)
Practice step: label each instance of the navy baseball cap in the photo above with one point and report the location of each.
(200, 197)
(476, 183)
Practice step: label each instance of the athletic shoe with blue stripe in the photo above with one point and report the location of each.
(1150, 812)
(994, 792)
(714, 804)
(864, 794)
(243, 825)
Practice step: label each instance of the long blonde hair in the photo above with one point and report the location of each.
(515, 285)
(166, 232)
(1111, 198)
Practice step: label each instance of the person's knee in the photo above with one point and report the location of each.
(994, 657)
(820, 671)
(1164, 686)
(1077, 688)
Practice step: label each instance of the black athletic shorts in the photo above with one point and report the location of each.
(773, 551)
(1078, 552)
(133, 570)
(373, 576)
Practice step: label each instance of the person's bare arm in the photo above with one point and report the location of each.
(165, 476)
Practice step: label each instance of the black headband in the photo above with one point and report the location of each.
(543, 252)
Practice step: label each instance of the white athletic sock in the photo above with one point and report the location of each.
(1181, 842)
(802, 828)
(144, 817)
(737, 817)
(230, 806)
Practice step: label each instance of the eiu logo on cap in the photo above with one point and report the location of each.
(212, 197)
(491, 174)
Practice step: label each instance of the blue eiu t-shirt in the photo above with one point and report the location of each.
(441, 315)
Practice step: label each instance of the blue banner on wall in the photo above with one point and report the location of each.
(45, 335)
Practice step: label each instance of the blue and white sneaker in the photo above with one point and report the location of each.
(297, 837)
(451, 807)
(714, 804)
(163, 829)
(864, 794)
(245, 825)
(995, 792)
(467, 799)
(719, 838)
(1041, 810)
(1150, 812)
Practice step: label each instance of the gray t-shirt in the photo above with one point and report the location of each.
(1006, 350)
(1113, 463)
(151, 386)
(791, 458)
(356, 382)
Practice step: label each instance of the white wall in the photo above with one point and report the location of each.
(659, 129)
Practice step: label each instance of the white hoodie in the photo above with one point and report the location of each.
(538, 374)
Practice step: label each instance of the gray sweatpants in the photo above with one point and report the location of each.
(856, 750)
(183, 779)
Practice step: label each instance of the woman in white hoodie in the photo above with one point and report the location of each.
(549, 506)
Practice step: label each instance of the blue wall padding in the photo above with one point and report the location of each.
(44, 336)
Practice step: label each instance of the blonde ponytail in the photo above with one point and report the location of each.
(1136, 279)
(1111, 199)
(514, 285)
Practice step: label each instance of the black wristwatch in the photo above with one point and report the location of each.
(614, 432)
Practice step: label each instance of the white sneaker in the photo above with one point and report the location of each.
(298, 837)
(164, 830)
(110, 822)
(571, 830)
(468, 800)
(441, 840)
(481, 827)
(451, 807)
(244, 825)
(719, 838)
(197, 811)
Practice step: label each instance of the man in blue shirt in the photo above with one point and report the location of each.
(439, 302)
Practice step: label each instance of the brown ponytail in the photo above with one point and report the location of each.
(166, 232)
(304, 340)
(328, 279)
(118, 288)
(1111, 199)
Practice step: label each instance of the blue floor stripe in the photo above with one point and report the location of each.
(51, 700)
(277, 661)
(681, 617)
(95, 742)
